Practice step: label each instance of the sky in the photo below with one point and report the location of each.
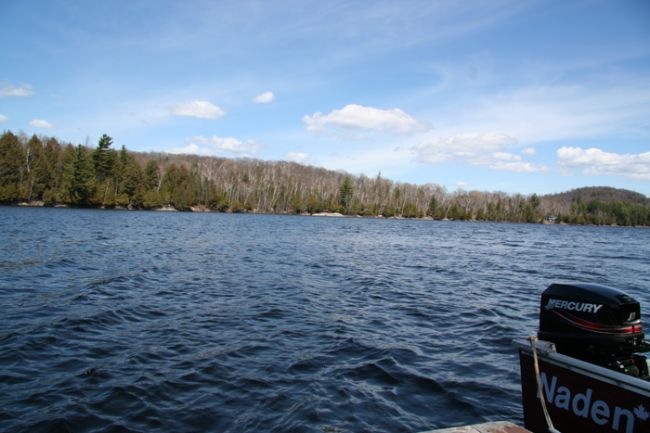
(501, 95)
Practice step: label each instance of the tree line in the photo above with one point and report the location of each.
(43, 170)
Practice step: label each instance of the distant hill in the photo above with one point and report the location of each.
(601, 193)
(597, 205)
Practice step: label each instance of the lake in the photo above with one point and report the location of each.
(160, 322)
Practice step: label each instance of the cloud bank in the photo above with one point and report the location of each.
(594, 161)
(482, 149)
(359, 117)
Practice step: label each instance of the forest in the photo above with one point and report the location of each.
(40, 170)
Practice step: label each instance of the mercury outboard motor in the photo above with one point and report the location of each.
(595, 323)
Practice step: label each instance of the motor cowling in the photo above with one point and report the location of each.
(595, 323)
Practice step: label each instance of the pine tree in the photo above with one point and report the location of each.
(132, 183)
(79, 178)
(152, 176)
(11, 173)
(178, 188)
(345, 194)
(52, 164)
(103, 158)
(105, 165)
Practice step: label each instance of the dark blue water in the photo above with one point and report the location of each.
(160, 322)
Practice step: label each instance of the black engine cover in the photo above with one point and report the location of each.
(590, 320)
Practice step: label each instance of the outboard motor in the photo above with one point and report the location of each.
(595, 323)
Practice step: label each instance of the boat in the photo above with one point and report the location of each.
(585, 371)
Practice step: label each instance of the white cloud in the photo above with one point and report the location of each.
(200, 109)
(297, 156)
(507, 161)
(482, 149)
(11, 90)
(529, 151)
(40, 123)
(518, 166)
(233, 145)
(219, 146)
(264, 98)
(470, 146)
(594, 161)
(3, 118)
(359, 117)
(190, 149)
(506, 156)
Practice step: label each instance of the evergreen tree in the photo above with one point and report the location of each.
(152, 176)
(11, 173)
(105, 164)
(132, 183)
(52, 163)
(119, 169)
(345, 194)
(66, 163)
(103, 158)
(177, 188)
(79, 177)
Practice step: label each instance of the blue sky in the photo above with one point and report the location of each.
(514, 96)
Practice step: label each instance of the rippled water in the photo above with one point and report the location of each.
(144, 321)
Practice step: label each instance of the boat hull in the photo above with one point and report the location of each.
(581, 397)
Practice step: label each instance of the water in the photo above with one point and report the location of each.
(159, 322)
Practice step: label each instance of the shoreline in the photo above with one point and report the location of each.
(204, 209)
